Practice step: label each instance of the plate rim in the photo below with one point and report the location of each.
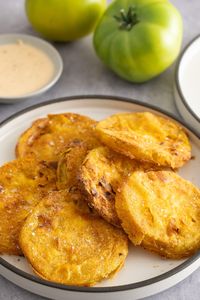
(118, 288)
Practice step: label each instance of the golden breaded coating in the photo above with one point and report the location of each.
(64, 242)
(70, 162)
(48, 137)
(101, 175)
(161, 211)
(23, 183)
(147, 137)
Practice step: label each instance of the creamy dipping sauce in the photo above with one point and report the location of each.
(23, 69)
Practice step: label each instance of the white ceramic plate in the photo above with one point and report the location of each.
(187, 88)
(46, 48)
(144, 273)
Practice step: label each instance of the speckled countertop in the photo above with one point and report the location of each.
(84, 74)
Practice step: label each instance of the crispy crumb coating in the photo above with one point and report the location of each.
(146, 137)
(66, 243)
(23, 183)
(160, 211)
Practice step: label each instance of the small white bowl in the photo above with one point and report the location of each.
(44, 46)
(187, 84)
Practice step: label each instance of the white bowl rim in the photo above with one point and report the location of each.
(125, 287)
(177, 80)
(53, 50)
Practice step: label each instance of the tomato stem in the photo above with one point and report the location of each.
(127, 20)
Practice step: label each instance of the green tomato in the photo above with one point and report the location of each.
(64, 20)
(139, 39)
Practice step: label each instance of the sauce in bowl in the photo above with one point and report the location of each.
(23, 69)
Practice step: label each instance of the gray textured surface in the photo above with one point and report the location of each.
(84, 74)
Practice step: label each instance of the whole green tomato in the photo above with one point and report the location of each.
(64, 20)
(139, 39)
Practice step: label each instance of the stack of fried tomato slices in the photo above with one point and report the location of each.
(80, 188)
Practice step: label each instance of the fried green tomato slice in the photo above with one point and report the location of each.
(101, 175)
(70, 162)
(160, 211)
(23, 183)
(47, 137)
(146, 137)
(66, 243)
